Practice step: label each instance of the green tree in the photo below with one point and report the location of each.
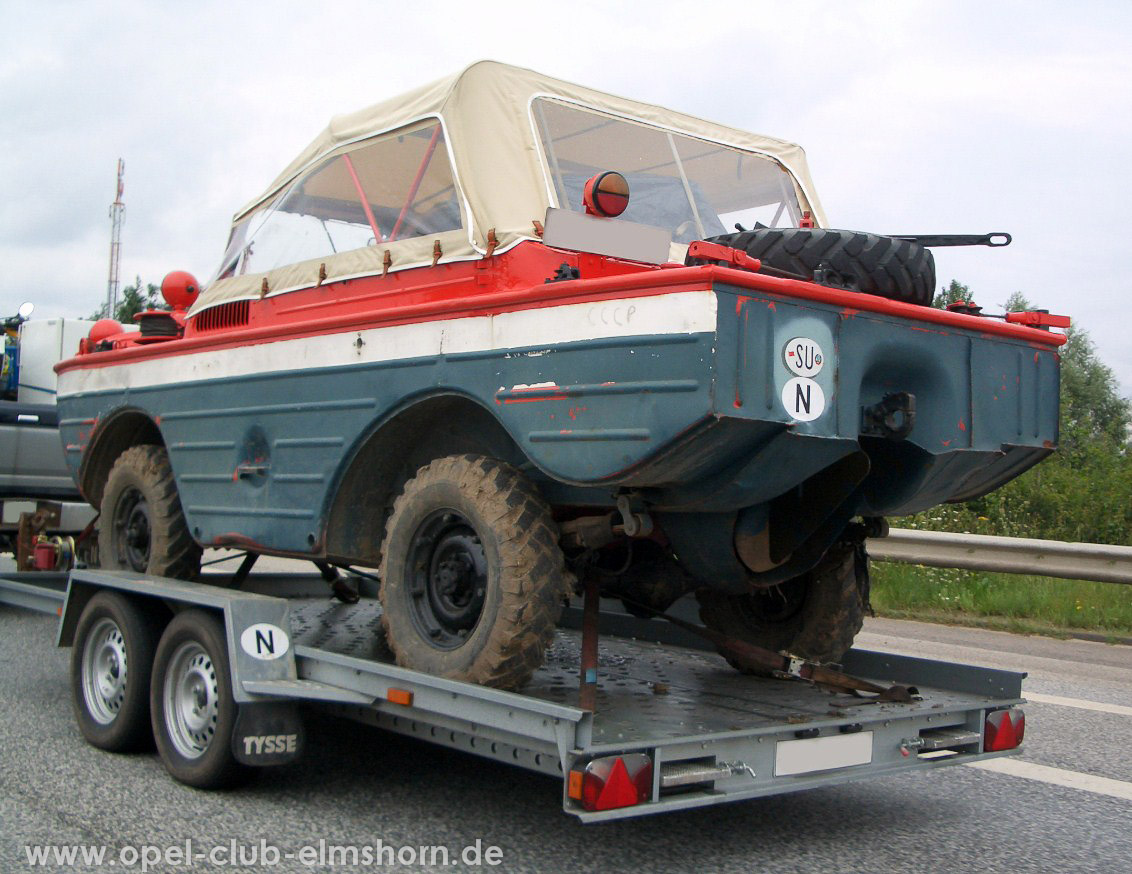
(954, 293)
(1017, 303)
(1093, 414)
(1081, 491)
(132, 301)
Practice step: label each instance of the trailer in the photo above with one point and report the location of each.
(218, 677)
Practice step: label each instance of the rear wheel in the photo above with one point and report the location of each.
(111, 663)
(142, 527)
(472, 577)
(193, 711)
(814, 616)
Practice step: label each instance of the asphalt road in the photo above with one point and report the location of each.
(357, 786)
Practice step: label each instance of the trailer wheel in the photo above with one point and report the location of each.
(142, 527)
(191, 702)
(111, 663)
(815, 615)
(869, 263)
(472, 577)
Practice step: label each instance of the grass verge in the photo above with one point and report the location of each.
(1008, 602)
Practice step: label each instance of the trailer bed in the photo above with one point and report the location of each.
(711, 733)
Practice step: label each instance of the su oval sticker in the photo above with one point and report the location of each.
(264, 641)
(803, 356)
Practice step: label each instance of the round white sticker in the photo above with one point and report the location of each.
(803, 399)
(803, 356)
(264, 641)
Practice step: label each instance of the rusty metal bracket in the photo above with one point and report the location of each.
(30, 527)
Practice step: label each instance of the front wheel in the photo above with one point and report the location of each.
(815, 615)
(141, 526)
(193, 711)
(472, 577)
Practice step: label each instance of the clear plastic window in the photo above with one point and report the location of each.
(692, 187)
(392, 188)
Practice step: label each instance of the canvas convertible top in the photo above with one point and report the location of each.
(480, 163)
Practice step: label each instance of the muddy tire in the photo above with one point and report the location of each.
(869, 263)
(472, 577)
(141, 527)
(815, 615)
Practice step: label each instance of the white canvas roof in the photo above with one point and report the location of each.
(498, 163)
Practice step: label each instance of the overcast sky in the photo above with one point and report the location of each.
(957, 117)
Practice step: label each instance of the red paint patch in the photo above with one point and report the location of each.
(962, 426)
(533, 395)
(946, 442)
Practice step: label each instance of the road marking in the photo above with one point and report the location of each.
(1058, 777)
(1079, 703)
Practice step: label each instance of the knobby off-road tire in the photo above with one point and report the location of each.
(111, 664)
(874, 264)
(142, 527)
(472, 577)
(815, 615)
(191, 704)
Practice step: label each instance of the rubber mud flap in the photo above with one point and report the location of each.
(268, 733)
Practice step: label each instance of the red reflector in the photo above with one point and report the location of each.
(617, 781)
(1004, 730)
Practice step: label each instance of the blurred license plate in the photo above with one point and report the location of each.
(822, 753)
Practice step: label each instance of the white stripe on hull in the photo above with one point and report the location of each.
(687, 312)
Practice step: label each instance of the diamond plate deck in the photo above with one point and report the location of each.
(647, 692)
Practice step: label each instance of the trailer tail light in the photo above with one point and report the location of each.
(1004, 730)
(612, 781)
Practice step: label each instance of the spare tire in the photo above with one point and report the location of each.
(869, 263)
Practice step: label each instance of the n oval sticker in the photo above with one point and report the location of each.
(803, 356)
(803, 399)
(264, 641)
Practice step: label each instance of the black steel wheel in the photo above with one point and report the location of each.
(449, 578)
(815, 615)
(142, 527)
(472, 577)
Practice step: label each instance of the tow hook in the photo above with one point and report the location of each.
(893, 417)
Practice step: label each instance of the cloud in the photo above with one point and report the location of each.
(916, 117)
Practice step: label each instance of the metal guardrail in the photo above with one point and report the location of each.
(1011, 555)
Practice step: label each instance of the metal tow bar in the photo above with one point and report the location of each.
(994, 239)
